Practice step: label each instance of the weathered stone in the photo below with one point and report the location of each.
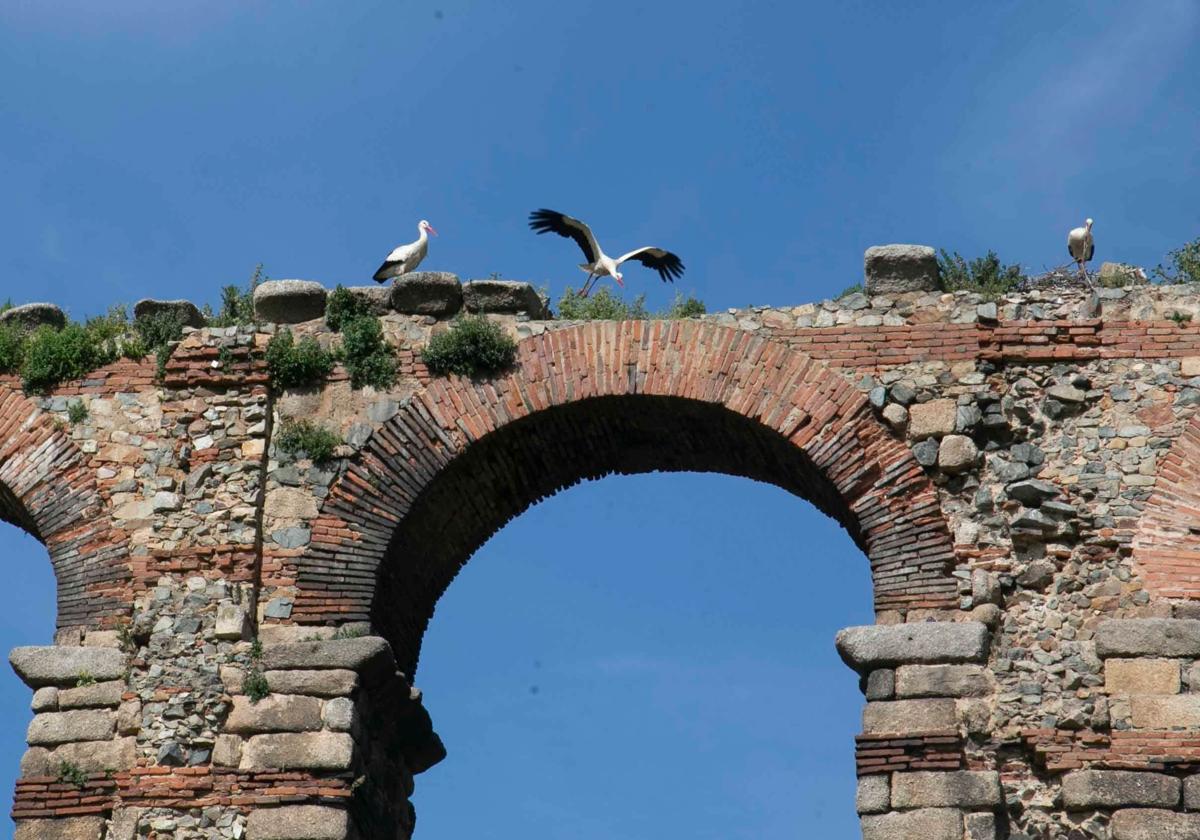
(124, 824)
(88, 756)
(907, 716)
(371, 656)
(1120, 274)
(1191, 793)
(896, 416)
(935, 418)
(333, 683)
(952, 789)
(925, 824)
(874, 794)
(957, 453)
(45, 699)
(1141, 676)
(1189, 366)
(1154, 824)
(339, 714)
(1032, 491)
(298, 822)
(881, 646)
(503, 296)
(52, 728)
(1148, 637)
(227, 751)
(1087, 789)
(1066, 394)
(129, 717)
(289, 301)
(274, 713)
(942, 681)
(63, 666)
(893, 269)
(298, 750)
(980, 827)
(232, 622)
(881, 684)
(377, 300)
(186, 311)
(1165, 712)
(71, 828)
(30, 316)
(434, 293)
(92, 696)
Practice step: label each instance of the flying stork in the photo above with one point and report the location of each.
(1080, 245)
(598, 263)
(406, 258)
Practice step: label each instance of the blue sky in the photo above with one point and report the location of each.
(151, 149)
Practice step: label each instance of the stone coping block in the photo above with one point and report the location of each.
(503, 296)
(30, 316)
(371, 656)
(298, 822)
(274, 713)
(942, 681)
(1148, 637)
(72, 828)
(298, 751)
(376, 299)
(289, 301)
(336, 682)
(189, 314)
(925, 824)
(926, 643)
(62, 665)
(893, 269)
(910, 716)
(98, 695)
(1087, 789)
(953, 789)
(88, 756)
(437, 294)
(51, 728)
(1154, 824)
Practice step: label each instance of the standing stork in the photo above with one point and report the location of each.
(406, 258)
(600, 264)
(1081, 246)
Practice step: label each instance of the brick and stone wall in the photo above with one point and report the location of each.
(239, 628)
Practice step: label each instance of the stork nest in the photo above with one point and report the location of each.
(1061, 277)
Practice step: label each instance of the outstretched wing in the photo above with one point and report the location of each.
(668, 265)
(548, 221)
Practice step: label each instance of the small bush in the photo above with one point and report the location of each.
(160, 329)
(366, 354)
(84, 678)
(1184, 265)
(70, 773)
(77, 412)
(54, 356)
(984, 274)
(303, 436)
(12, 349)
(349, 633)
(850, 290)
(237, 304)
(134, 348)
(343, 306)
(255, 685)
(602, 305)
(472, 346)
(681, 307)
(295, 364)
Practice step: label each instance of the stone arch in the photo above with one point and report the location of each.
(47, 490)
(453, 466)
(1166, 545)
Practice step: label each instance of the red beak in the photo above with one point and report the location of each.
(619, 282)
(431, 230)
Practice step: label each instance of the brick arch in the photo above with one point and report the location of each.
(47, 490)
(1166, 545)
(463, 457)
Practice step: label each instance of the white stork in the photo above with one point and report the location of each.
(1080, 245)
(406, 258)
(598, 263)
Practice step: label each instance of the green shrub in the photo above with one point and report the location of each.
(160, 329)
(77, 412)
(985, 275)
(295, 364)
(305, 437)
(84, 678)
(343, 306)
(602, 305)
(54, 356)
(70, 773)
(1184, 265)
(134, 348)
(12, 349)
(255, 685)
(681, 307)
(366, 355)
(472, 346)
(850, 290)
(237, 304)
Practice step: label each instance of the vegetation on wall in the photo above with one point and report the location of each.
(1183, 265)
(237, 303)
(342, 306)
(303, 437)
(295, 364)
(604, 305)
(473, 346)
(986, 274)
(366, 354)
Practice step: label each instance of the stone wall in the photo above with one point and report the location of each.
(239, 627)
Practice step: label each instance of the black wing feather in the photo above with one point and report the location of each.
(668, 265)
(550, 221)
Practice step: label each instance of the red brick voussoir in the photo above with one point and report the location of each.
(463, 457)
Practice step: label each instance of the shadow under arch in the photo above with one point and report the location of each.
(47, 490)
(464, 457)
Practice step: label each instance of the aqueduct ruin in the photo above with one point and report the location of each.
(238, 627)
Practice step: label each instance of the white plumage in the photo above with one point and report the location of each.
(406, 258)
(600, 264)
(1081, 246)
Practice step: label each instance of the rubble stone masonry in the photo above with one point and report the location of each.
(238, 627)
